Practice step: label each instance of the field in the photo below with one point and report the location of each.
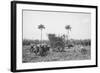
(74, 53)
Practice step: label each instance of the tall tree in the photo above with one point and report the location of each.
(41, 27)
(68, 28)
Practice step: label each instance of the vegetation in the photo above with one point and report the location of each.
(80, 51)
(86, 42)
(75, 53)
(27, 42)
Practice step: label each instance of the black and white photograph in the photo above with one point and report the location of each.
(47, 36)
(56, 36)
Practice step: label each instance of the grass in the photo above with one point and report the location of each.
(75, 53)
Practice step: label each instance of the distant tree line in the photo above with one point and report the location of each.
(28, 42)
(53, 40)
(85, 42)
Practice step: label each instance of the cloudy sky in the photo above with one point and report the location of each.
(55, 22)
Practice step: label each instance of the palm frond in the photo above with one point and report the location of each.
(41, 26)
(68, 27)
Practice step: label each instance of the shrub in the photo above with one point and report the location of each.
(83, 51)
(26, 42)
(86, 42)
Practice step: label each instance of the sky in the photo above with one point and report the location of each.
(55, 23)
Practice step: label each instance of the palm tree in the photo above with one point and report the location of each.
(68, 28)
(41, 27)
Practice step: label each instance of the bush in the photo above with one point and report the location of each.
(86, 42)
(29, 42)
(26, 42)
(83, 51)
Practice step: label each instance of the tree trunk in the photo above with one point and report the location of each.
(68, 37)
(41, 36)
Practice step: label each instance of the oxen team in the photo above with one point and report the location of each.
(40, 50)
